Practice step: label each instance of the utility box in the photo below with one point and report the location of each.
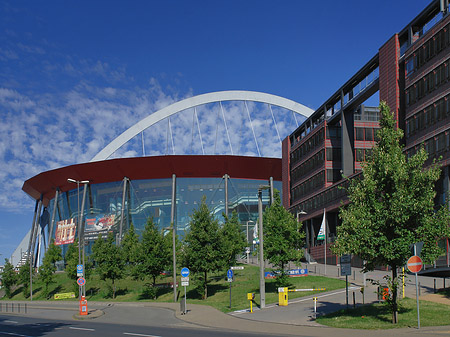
(83, 306)
(282, 297)
(250, 296)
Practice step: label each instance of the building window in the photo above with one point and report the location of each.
(359, 133)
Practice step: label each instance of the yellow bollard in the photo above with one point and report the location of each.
(251, 297)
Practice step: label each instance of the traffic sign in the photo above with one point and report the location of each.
(185, 281)
(79, 270)
(81, 281)
(237, 268)
(346, 267)
(185, 272)
(230, 275)
(414, 264)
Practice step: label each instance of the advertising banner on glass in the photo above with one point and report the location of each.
(65, 231)
(100, 224)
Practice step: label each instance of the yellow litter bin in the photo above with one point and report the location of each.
(282, 296)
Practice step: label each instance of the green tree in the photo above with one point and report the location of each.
(154, 253)
(48, 267)
(283, 238)
(24, 278)
(233, 240)
(9, 278)
(392, 207)
(130, 248)
(109, 260)
(202, 245)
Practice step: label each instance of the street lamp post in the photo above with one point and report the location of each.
(78, 182)
(262, 282)
(247, 250)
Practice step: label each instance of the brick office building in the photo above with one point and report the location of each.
(411, 73)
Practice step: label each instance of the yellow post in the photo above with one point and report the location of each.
(403, 281)
(250, 297)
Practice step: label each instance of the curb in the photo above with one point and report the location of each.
(92, 314)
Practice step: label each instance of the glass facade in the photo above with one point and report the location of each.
(153, 198)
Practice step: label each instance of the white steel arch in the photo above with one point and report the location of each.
(191, 102)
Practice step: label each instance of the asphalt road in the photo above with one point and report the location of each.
(33, 327)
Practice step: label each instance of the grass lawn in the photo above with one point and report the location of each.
(378, 316)
(245, 281)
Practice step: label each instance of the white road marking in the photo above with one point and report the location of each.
(15, 322)
(294, 301)
(12, 334)
(138, 334)
(84, 329)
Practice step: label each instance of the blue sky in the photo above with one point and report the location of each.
(75, 74)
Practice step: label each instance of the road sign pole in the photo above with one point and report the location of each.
(346, 290)
(230, 294)
(415, 265)
(417, 300)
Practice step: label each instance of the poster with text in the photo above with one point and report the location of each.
(65, 231)
(100, 224)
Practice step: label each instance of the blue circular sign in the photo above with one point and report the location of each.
(81, 281)
(185, 272)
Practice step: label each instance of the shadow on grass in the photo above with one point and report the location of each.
(52, 293)
(197, 293)
(379, 311)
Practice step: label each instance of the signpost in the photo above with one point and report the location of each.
(346, 269)
(79, 270)
(185, 282)
(415, 265)
(81, 281)
(230, 279)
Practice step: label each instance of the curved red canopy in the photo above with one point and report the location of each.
(157, 167)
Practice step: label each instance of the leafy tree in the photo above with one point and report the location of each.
(283, 238)
(24, 278)
(233, 240)
(202, 245)
(130, 247)
(48, 267)
(9, 278)
(154, 253)
(109, 260)
(392, 207)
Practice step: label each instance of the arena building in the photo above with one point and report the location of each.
(104, 195)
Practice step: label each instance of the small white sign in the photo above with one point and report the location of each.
(237, 268)
(185, 281)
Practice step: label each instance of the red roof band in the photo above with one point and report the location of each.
(158, 167)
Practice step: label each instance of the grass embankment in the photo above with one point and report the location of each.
(245, 281)
(378, 316)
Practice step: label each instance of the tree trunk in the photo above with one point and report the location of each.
(114, 289)
(206, 285)
(394, 295)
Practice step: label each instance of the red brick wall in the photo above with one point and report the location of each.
(389, 55)
(285, 174)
